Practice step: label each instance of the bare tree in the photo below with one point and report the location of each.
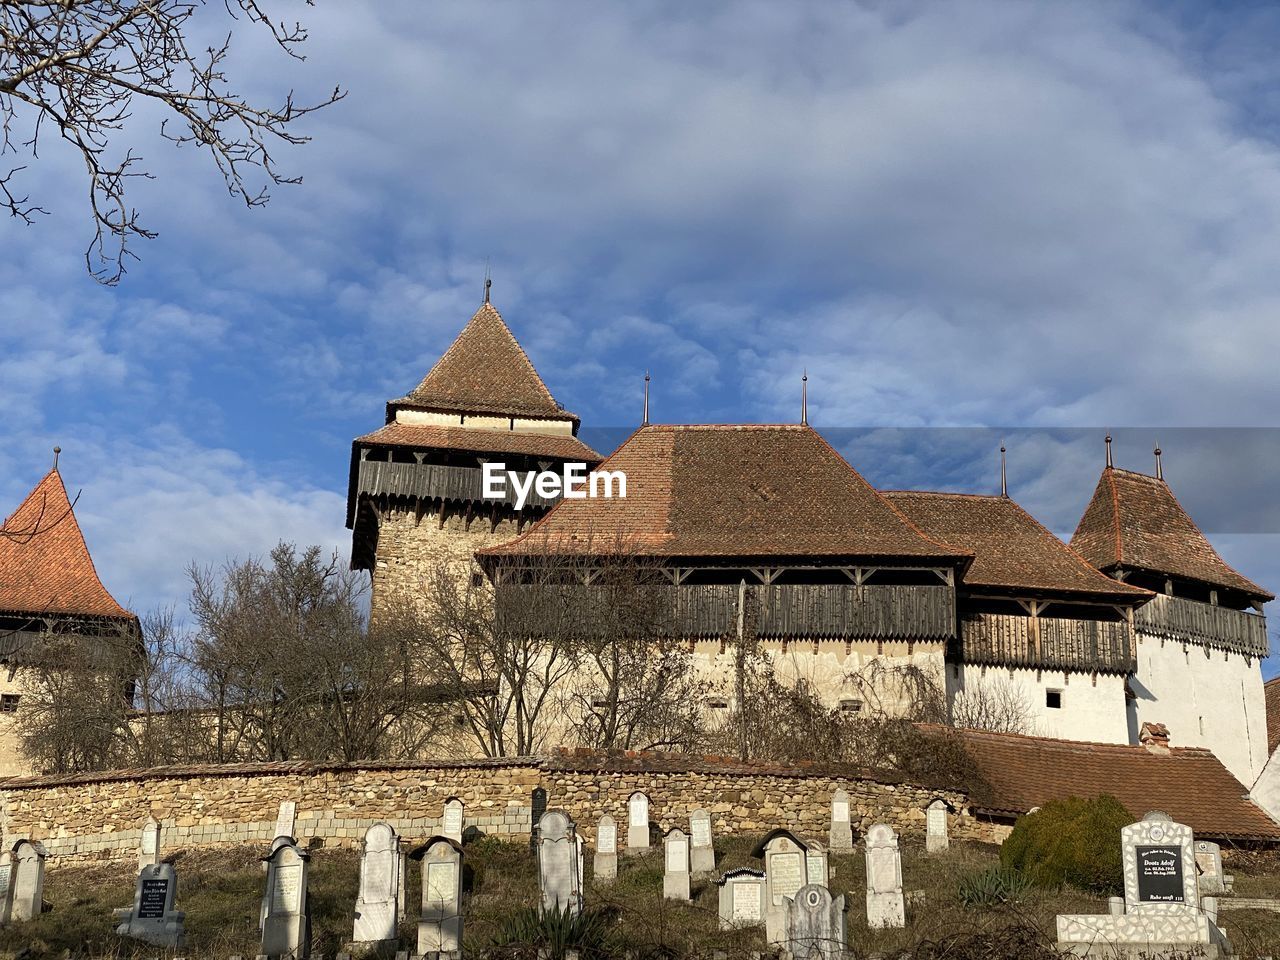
(81, 67)
(998, 706)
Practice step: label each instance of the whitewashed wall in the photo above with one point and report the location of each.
(1091, 711)
(1266, 792)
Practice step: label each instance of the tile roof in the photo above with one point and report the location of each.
(485, 371)
(1135, 520)
(1271, 689)
(1188, 783)
(45, 565)
(418, 436)
(743, 491)
(1011, 549)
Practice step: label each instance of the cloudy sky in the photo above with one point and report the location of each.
(1044, 220)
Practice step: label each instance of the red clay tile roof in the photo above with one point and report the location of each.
(1188, 783)
(1272, 691)
(45, 565)
(1135, 520)
(1011, 549)
(743, 491)
(485, 371)
(482, 441)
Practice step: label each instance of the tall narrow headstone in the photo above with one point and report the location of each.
(26, 889)
(285, 930)
(840, 839)
(605, 867)
(742, 898)
(885, 906)
(638, 822)
(1209, 865)
(702, 853)
(785, 870)
(380, 882)
(149, 844)
(286, 818)
(816, 924)
(816, 866)
(6, 881)
(440, 925)
(936, 838)
(537, 806)
(154, 917)
(558, 875)
(452, 827)
(675, 875)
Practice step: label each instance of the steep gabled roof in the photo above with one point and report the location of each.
(743, 491)
(1010, 547)
(45, 567)
(421, 436)
(485, 371)
(1135, 521)
(1272, 691)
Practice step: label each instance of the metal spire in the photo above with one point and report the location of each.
(645, 422)
(1109, 463)
(804, 399)
(1159, 465)
(488, 280)
(56, 452)
(1004, 480)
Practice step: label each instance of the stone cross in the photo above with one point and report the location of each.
(1159, 866)
(452, 823)
(380, 881)
(675, 877)
(605, 867)
(286, 819)
(702, 852)
(816, 924)
(149, 844)
(638, 822)
(742, 898)
(153, 918)
(885, 906)
(26, 886)
(1209, 863)
(840, 839)
(786, 871)
(936, 839)
(440, 926)
(558, 853)
(816, 867)
(284, 926)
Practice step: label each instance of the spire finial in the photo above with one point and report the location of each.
(804, 399)
(1109, 463)
(488, 280)
(645, 422)
(1004, 480)
(1159, 465)
(57, 451)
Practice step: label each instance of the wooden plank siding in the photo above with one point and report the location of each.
(434, 481)
(1190, 621)
(1047, 643)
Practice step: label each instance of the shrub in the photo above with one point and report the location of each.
(991, 887)
(1072, 841)
(553, 933)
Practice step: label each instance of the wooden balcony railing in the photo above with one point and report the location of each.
(433, 481)
(1177, 618)
(1047, 643)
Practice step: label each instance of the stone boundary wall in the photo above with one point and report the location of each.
(100, 816)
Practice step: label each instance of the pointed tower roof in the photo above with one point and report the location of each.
(485, 371)
(45, 567)
(1135, 521)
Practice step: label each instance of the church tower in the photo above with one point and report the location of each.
(415, 498)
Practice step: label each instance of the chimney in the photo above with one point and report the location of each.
(1155, 737)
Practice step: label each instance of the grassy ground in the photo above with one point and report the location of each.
(220, 892)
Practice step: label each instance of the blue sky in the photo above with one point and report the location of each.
(955, 215)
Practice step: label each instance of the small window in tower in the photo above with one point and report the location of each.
(1053, 699)
(717, 703)
(851, 706)
(8, 703)
(477, 579)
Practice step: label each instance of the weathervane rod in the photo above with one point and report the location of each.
(804, 399)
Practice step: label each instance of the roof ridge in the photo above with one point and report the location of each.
(1069, 744)
(944, 493)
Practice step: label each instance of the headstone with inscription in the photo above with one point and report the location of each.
(816, 924)
(26, 886)
(742, 898)
(149, 844)
(153, 918)
(605, 867)
(440, 925)
(936, 837)
(6, 878)
(638, 822)
(702, 852)
(675, 875)
(786, 871)
(380, 881)
(537, 807)
(286, 818)
(816, 865)
(1209, 865)
(885, 905)
(558, 859)
(285, 927)
(840, 839)
(452, 822)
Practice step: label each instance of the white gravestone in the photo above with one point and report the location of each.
(452, 826)
(26, 886)
(816, 924)
(675, 876)
(840, 839)
(440, 925)
(6, 879)
(380, 881)
(702, 853)
(285, 930)
(605, 867)
(786, 871)
(742, 898)
(816, 867)
(1209, 863)
(936, 838)
(149, 844)
(153, 918)
(558, 859)
(286, 819)
(638, 822)
(885, 906)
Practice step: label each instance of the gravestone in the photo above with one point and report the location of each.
(605, 867)
(26, 886)
(440, 924)
(702, 853)
(1209, 863)
(885, 906)
(1159, 866)
(537, 806)
(936, 838)
(675, 876)
(785, 871)
(816, 865)
(638, 822)
(815, 924)
(558, 859)
(840, 839)
(153, 918)
(380, 882)
(285, 927)
(742, 898)
(452, 823)
(149, 844)
(6, 877)
(286, 819)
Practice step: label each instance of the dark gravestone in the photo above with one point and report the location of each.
(1160, 874)
(153, 898)
(539, 804)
